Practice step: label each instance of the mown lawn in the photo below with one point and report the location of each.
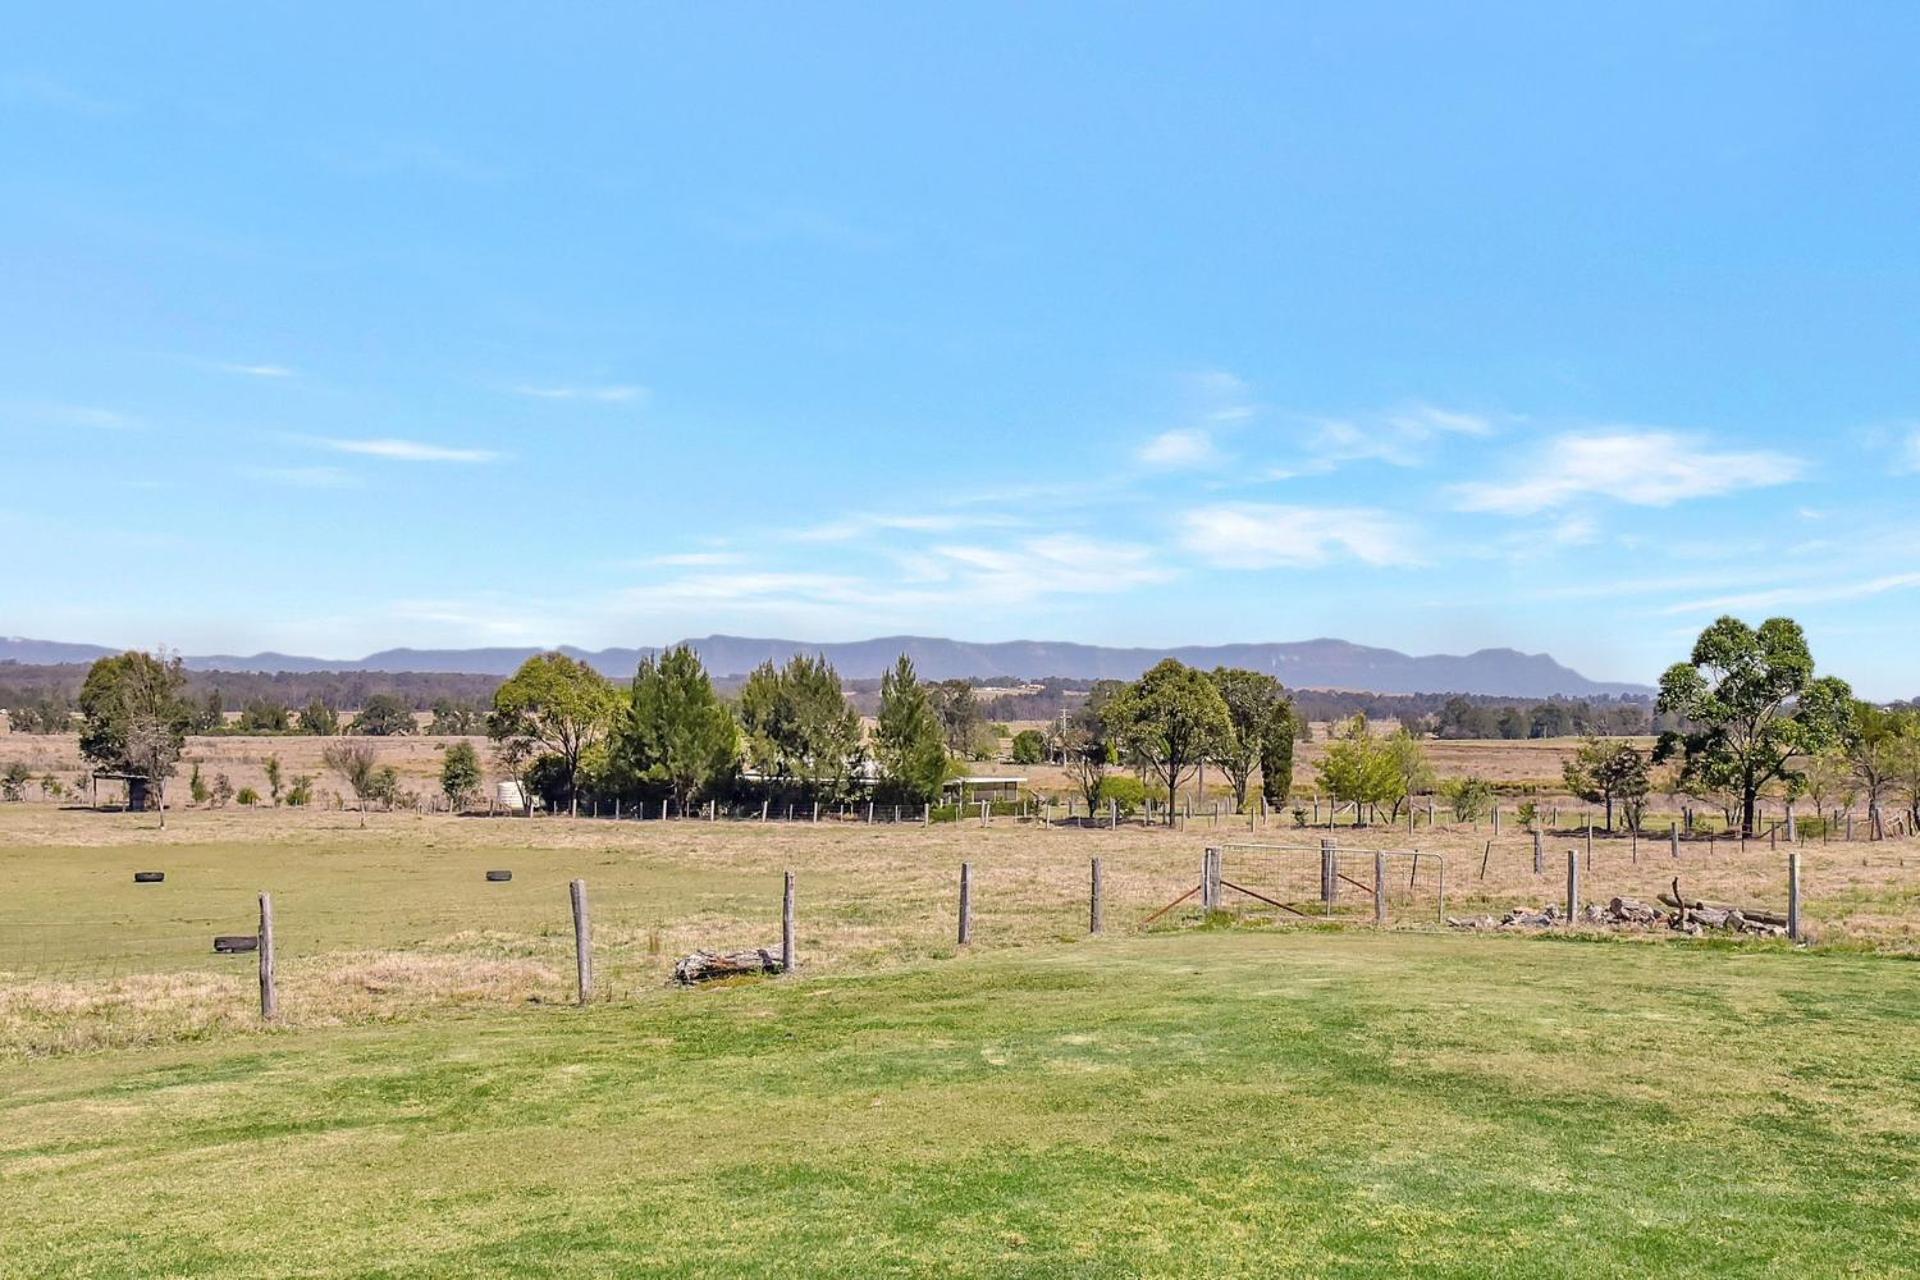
(1217, 1102)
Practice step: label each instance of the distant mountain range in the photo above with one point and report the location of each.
(1304, 664)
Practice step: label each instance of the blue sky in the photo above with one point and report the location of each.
(1433, 327)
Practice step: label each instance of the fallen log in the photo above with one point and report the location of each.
(1721, 911)
(705, 966)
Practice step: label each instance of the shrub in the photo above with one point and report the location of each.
(300, 790)
(222, 790)
(197, 785)
(13, 782)
(1469, 797)
(247, 796)
(1125, 791)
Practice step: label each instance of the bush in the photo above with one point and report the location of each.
(14, 781)
(1470, 797)
(1125, 791)
(300, 790)
(247, 796)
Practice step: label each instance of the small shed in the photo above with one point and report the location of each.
(138, 790)
(987, 787)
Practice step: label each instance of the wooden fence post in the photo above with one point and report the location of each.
(966, 903)
(1793, 896)
(1673, 839)
(1329, 864)
(789, 958)
(1539, 855)
(269, 994)
(582, 940)
(1379, 887)
(1573, 885)
(1496, 819)
(1096, 909)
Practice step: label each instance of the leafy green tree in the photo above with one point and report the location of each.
(1170, 720)
(1358, 768)
(209, 715)
(1257, 711)
(675, 732)
(318, 720)
(13, 781)
(1082, 742)
(909, 742)
(197, 786)
(1604, 770)
(385, 715)
(1125, 793)
(1752, 707)
(452, 718)
(557, 705)
(274, 779)
(962, 720)
(262, 715)
(1276, 760)
(1873, 743)
(1412, 774)
(300, 790)
(1469, 797)
(460, 775)
(1029, 747)
(49, 713)
(358, 764)
(1829, 782)
(134, 718)
(800, 731)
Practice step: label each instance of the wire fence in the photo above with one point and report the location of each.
(114, 959)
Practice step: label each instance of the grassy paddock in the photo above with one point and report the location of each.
(1217, 1101)
(397, 919)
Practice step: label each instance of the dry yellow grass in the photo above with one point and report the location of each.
(397, 918)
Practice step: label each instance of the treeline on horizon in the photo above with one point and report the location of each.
(38, 694)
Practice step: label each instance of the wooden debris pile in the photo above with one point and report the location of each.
(705, 966)
(1676, 912)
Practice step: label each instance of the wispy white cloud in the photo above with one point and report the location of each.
(305, 477)
(1220, 396)
(1906, 459)
(1248, 535)
(948, 579)
(861, 523)
(1640, 467)
(260, 370)
(1186, 447)
(1406, 437)
(90, 416)
(1801, 594)
(405, 450)
(622, 393)
(694, 559)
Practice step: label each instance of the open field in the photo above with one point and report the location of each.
(1216, 1102)
(396, 920)
(1531, 765)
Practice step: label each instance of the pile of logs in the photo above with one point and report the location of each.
(705, 966)
(1693, 917)
(1677, 913)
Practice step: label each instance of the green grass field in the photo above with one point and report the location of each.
(1209, 1102)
